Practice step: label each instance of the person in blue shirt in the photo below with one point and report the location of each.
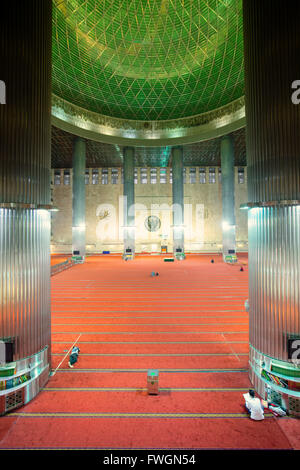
(73, 356)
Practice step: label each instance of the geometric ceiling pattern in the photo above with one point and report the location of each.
(148, 59)
(101, 155)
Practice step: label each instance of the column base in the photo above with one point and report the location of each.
(229, 258)
(178, 251)
(128, 256)
(179, 256)
(27, 377)
(78, 259)
(276, 381)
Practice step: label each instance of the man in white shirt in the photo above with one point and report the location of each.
(254, 406)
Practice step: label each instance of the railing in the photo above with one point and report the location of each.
(57, 268)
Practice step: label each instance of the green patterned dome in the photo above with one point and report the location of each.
(148, 59)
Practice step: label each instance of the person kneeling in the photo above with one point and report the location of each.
(73, 356)
(254, 406)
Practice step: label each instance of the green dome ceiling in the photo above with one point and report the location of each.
(148, 60)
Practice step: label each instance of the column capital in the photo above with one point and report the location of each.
(227, 137)
(128, 149)
(178, 148)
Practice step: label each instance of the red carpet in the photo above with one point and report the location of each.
(189, 323)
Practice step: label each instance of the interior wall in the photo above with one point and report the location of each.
(104, 214)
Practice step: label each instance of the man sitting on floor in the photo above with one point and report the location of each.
(73, 356)
(254, 406)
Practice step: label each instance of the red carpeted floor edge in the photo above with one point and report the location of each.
(189, 323)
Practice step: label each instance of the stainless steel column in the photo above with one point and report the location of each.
(228, 210)
(178, 201)
(271, 43)
(78, 199)
(129, 210)
(25, 57)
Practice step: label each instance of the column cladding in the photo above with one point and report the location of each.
(78, 198)
(178, 199)
(228, 195)
(272, 48)
(129, 200)
(25, 161)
